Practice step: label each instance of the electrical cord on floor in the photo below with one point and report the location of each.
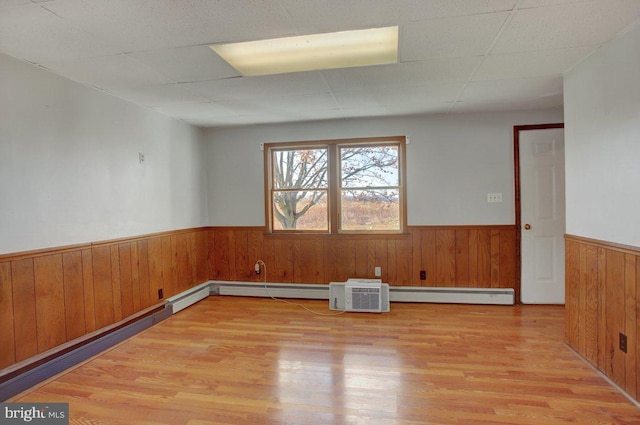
(266, 288)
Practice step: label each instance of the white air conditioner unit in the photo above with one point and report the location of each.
(338, 295)
(365, 298)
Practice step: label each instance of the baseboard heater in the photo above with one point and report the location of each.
(19, 377)
(189, 297)
(444, 295)
(410, 294)
(278, 290)
(24, 375)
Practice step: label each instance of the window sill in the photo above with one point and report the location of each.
(326, 236)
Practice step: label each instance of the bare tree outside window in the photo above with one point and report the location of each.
(300, 183)
(367, 185)
(369, 197)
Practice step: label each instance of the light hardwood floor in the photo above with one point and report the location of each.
(232, 360)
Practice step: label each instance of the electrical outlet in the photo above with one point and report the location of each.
(160, 294)
(423, 275)
(377, 272)
(494, 197)
(623, 342)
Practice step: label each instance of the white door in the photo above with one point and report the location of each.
(542, 216)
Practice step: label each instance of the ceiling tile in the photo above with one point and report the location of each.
(295, 104)
(416, 10)
(516, 88)
(195, 110)
(108, 72)
(142, 25)
(449, 37)
(402, 74)
(159, 95)
(527, 4)
(397, 100)
(12, 3)
(155, 53)
(530, 64)
(553, 101)
(187, 64)
(340, 15)
(241, 120)
(34, 34)
(272, 110)
(260, 87)
(567, 25)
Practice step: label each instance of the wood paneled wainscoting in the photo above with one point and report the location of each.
(51, 297)
(55, 299)
(602, 284)
(456, 256)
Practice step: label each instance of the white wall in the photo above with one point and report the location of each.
(602, 132)
(453, 161)
(69, 170)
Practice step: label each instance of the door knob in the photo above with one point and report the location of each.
(527, 226)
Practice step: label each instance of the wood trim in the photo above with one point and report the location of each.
(33, 376)
(478, 256)
(404, 209)
(105, 282)
(50, 297)
(333, 196)
(13, 256)
(237, 228)
(602, 294)
(148, 236)
(28, 364)
(336, 236)
(332, 192)
(464, 226)
(516, 175)
(405, 235)
(311, 143)
(268, 219)
(627, 249)
(409, 227)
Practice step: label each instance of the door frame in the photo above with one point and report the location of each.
(516, 174)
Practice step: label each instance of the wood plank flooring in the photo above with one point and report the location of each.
(232, 360)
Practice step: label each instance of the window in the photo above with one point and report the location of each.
(337, 186)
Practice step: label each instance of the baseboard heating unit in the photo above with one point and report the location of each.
(407, 294)
(278, 290)
(189, 297)
(445, 295)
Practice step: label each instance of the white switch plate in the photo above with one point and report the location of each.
(494, 197)
(377, 272)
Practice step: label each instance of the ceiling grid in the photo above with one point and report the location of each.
(454, 55)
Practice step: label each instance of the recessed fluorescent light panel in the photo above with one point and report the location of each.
(342, 49)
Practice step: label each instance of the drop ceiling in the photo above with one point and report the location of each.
(454, 55)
